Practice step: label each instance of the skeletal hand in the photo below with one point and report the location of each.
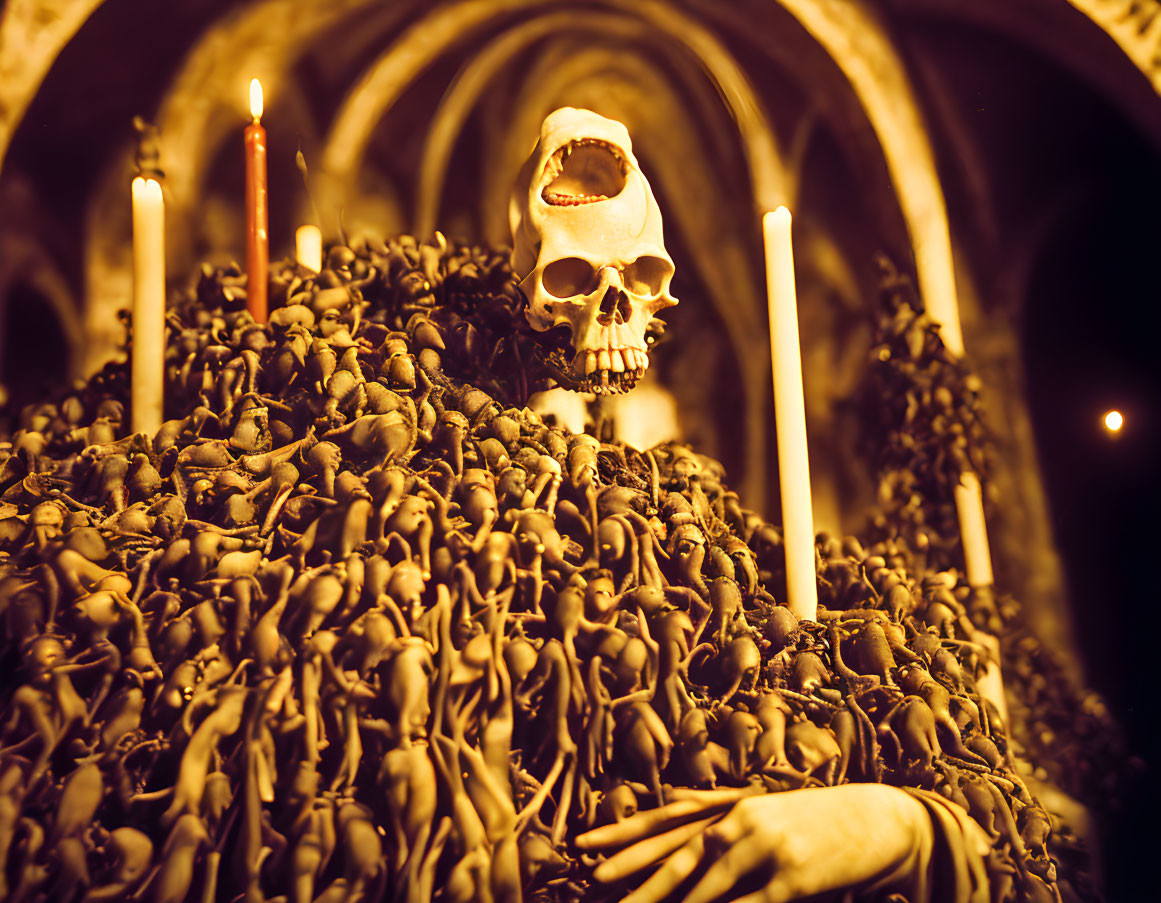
(782, 846)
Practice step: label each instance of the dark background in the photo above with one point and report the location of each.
(1095, 348)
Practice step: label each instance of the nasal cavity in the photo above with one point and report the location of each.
(615, 307)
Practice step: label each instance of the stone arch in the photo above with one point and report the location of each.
(470, 82)
(246, 37)
(29, 44)
(417, 48)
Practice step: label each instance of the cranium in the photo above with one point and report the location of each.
(587, 244)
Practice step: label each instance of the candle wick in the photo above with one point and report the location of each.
(300, 162)
(147, 158)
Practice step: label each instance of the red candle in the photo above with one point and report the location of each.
(257, 220)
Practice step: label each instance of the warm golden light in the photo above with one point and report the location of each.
(256, 99)
(308, 247)
(777, 219)
(148, 190)
(1114, 421)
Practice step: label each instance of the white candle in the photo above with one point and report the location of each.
(148, 347)
(973, 531)
(308, 247)
(790, 417)
(943, 308)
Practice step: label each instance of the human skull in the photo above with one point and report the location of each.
(588, 247)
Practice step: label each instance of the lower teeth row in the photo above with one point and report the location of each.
(605, 382)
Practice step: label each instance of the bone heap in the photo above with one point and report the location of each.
(352, 627)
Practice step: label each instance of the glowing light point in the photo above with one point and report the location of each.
(255, 99)
(1114, 421)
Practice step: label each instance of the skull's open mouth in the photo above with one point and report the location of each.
(584, 171)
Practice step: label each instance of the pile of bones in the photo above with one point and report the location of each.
(352, 626)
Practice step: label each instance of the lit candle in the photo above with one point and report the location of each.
(790, 417)
(257, 237)
(147, 352)
(308, 247)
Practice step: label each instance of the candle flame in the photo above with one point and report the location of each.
(255, 99)
(1114, 421)
(147, 190)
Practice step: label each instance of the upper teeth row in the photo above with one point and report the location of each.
(581, 142)
(616, 360)
(555, 164)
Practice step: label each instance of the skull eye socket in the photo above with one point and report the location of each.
(646, 276)
(568, 277)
